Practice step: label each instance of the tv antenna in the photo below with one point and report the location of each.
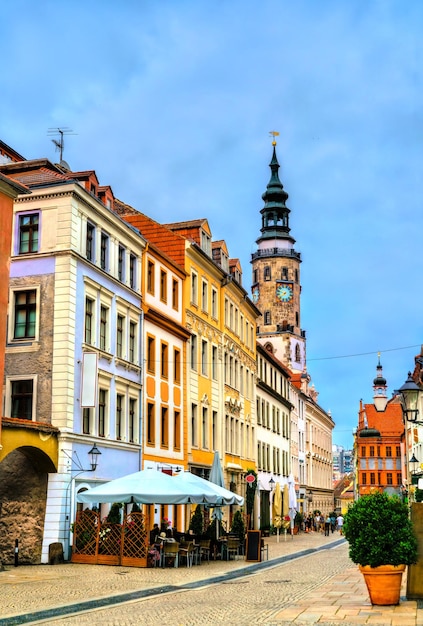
(60, 143)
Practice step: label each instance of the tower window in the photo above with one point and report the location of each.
(267, 318)
(284, 273)
(297, 353)
(267, 273)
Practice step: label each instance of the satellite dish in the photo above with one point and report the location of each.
(65, 165)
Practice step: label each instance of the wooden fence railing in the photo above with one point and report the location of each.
(104, 543)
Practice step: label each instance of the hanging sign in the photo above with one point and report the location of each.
(250, 478)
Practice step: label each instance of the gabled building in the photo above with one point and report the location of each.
(73, 365)
(379, 442)
(273, 411)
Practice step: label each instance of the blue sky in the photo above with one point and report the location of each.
(171, 102)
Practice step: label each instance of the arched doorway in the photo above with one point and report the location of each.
(23, 492)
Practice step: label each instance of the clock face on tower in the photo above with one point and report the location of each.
(284, 293)
(256, 294)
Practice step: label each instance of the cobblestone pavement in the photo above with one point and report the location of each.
(322, 586)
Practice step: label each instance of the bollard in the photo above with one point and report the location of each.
(16, 552)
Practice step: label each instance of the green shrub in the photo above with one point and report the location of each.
(196, 523)
(238, 527)
(379, 531)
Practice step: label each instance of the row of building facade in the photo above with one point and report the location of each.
(138, 340)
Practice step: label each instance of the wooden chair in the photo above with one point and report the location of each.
(205, 549)
(187, 552)
(170, 551)
(264, 550)
(231, 547)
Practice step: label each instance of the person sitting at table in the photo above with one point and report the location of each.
(154, 533)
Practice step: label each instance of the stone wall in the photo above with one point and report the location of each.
(23, 491)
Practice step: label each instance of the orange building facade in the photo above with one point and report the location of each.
(379, 443)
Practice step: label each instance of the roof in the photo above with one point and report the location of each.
(172, 244)
(389, 422)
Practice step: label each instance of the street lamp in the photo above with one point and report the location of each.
(413, 461)
(271, 484)
(94, 453)
(409, 395)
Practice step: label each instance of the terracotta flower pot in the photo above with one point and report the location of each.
(383, 583)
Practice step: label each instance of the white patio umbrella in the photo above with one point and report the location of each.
(216, 477)
(148, 486)
(292, 501)
(214, 494)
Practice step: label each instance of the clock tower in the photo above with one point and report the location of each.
(276, 286)
(380, 399)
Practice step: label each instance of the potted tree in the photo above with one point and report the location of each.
(382, 542)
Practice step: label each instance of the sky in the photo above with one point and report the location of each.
(171, 102)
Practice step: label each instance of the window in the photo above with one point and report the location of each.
(119, 408)
(204, 427)
(89, 320)
(22, 393)
(194, 352)
(177, 429)
(204, 357)
(90, 242)
(119, 335)
(372, 478)
(175, 294)
(151, 423)
(267, 273)
(284, 273)
(25, 314)
(398, 451)
(132, 418)
(214, 362)
(151, 356)
(104, 251)
(388, 451)
(163, 286)
(399, 478)
(364, 478)
(194, 288)
(102, 408)
(389, 478)
(86, 421)
(204, 296)
(150, 277)
(132, 341)
(267, 317)
(132, 271)
(214, 303)
(193, 424)
(372, 451)
(177, 366)
(164, 427)
(28, 233)
(104, 313)
(121, 263)
(164, 360)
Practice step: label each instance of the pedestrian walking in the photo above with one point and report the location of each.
(339, 523)
(327, 525)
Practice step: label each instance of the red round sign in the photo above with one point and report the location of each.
(250, 478)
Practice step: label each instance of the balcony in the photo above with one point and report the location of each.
(276, 252)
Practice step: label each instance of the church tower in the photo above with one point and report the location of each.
(380, 399)
(276, 286)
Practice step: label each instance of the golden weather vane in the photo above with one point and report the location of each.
(274, 133)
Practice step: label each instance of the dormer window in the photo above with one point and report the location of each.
(206, 243)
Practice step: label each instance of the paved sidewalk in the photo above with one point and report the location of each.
(26, 590)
